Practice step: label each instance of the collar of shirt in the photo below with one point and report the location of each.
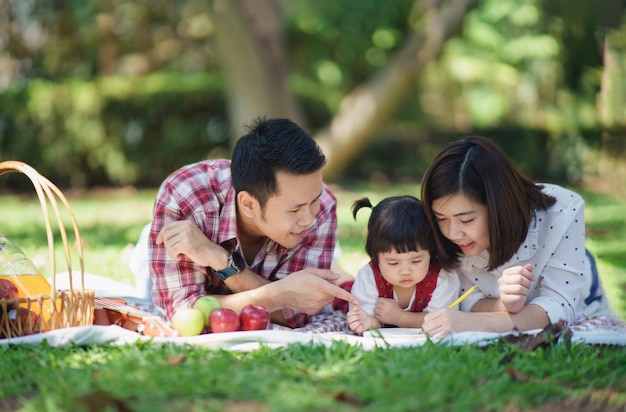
(228, 219)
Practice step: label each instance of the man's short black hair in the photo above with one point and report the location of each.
(268, 147)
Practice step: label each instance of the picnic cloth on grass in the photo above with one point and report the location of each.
(324, 329)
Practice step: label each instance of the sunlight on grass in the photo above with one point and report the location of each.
(109, 223)
(340, 377)
(606, 231)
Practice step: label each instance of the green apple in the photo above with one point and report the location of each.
(188, 322)
(206, 304)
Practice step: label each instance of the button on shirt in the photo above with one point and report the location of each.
(555, 245)
(203, 193)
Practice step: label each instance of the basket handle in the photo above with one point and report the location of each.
(46, 191)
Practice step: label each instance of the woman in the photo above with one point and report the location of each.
(521, 243)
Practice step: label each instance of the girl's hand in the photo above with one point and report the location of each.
(514, 285)
(387, 311)
(359, 321)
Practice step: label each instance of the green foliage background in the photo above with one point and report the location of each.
(113, 131)
(526, 73)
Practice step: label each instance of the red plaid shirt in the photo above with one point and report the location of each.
(202, 192)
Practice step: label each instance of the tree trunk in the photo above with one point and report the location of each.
(612, 166)
(64, 41)
(107, 52)
(250, 37)
(364, 111)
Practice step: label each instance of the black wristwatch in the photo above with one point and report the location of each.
(235, 265)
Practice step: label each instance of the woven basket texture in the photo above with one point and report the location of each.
(56, 309)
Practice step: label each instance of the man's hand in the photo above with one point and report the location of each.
(388, 311)
(309, 290)
(183, 237)
(514, 285)
(359, 321)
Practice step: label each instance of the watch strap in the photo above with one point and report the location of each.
(235, 266)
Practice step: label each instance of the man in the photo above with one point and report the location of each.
(258, 229)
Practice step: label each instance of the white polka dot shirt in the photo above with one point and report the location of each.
(555, 245)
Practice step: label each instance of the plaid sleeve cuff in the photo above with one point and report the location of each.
(295, 319)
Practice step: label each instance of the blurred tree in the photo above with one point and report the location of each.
(368, 107)
(612, 107)
(250, 35)
(101, 83)
(613, 97)
(109, 47)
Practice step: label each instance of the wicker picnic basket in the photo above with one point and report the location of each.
(59, 308)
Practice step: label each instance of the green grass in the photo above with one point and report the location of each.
(109, 223)
(144, 377)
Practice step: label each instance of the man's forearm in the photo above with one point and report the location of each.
(247, 288)
(245, 280)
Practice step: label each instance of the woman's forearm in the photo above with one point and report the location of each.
(488, 305)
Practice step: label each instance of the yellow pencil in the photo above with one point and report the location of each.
(462, 297)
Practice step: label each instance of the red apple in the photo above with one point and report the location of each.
(254, 317)
(223, 320)
(8, 290)
(19, 317)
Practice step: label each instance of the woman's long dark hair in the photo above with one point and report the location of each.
(478, 169)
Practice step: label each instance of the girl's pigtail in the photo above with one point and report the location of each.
(363, 202)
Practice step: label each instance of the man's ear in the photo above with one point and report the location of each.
(248, 205)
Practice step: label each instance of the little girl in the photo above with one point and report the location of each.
(403, 280)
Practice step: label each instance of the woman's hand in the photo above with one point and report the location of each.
(514, 285)
(443, 321)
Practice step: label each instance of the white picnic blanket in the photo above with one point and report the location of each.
(325, 329)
